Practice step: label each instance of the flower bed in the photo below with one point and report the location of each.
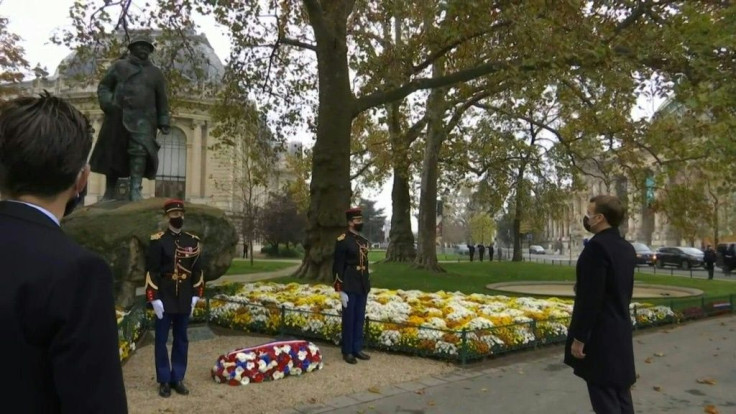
(440, 324)
(267, 362)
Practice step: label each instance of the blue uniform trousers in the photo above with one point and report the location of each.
(171, 372)
(353, 318)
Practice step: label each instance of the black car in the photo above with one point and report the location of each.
(726, 256)
(682, 257)
(644, 255)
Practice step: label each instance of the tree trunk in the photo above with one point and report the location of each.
(518, 211)
(330, 185)
(401, 239)
(427, 254)
(716, 234)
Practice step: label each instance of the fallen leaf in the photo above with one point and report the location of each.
(638, 376)
(648, 360)
(657, 388)
(484, 389)
(431, 403)
(374, 390)
(723, 323)
(711, 409)
(312, 400)
(709, 381)
(640, 341)
(659, 354)
(420, 392)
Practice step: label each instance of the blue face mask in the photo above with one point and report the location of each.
(75, 202)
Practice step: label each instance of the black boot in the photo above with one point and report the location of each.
(180, 388)
(110, 184)
(164, 390)
(137, 168)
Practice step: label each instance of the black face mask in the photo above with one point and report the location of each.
(586, 224)
(358, 226)
(74, 202)
(176, 222)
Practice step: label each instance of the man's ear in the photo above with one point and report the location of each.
(82, 179)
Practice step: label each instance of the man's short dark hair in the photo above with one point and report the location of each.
(611, 207)
(44, 144)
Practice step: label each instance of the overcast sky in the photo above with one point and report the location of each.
(35, 21)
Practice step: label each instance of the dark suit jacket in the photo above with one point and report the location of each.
(600, 317)
(59, 344)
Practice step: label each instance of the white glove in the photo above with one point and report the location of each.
(195, 299)
(158, 308)
(344, 299)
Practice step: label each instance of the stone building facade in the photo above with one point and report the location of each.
(188, 168)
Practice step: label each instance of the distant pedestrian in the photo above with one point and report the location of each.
(245, 250)
(710, 260)
(599, 344)
(481, 251)
(471, 251)
(490, 252)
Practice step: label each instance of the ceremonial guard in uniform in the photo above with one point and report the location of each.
(174, 284)
(352, 280)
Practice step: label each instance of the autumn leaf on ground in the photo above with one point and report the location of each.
(420, 392)
(431, 403)
(640, 341)
(711, 409)
(312, 400)
(659, 354)
(657, 388)
(648, 360)
(709, 381)
(374, 390)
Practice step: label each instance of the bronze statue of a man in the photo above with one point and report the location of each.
(133, 97)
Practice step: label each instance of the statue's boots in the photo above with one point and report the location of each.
(110, 184)
(137, 169)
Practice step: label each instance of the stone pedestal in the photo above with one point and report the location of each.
(120, 232)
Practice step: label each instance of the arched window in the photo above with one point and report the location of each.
(171, 177)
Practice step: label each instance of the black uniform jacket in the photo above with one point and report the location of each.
(174, 272)
(601, 318)
(59, 342)
(351, 264)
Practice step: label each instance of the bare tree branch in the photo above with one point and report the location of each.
(297, 43)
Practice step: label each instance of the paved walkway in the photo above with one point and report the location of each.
(669, 360)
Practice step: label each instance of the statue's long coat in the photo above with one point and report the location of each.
(133, 97)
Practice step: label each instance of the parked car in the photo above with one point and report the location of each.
(682, 257)
(726, 256)
(462, 249)
(644, 255)
(535, 249)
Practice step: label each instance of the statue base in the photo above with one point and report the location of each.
(120, 232)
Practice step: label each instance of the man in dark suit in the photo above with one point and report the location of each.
(599, 344)
(59, 347)
(174, 285)
(352, 280)
(709, 258)
(481, 251)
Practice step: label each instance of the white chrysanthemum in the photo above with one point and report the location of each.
(390, 337)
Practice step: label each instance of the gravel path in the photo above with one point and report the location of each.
(335, 379)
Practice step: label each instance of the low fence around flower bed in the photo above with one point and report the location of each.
(469, 338)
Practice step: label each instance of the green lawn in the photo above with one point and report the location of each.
(473, 277)
(242, 267)
(378, 255)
